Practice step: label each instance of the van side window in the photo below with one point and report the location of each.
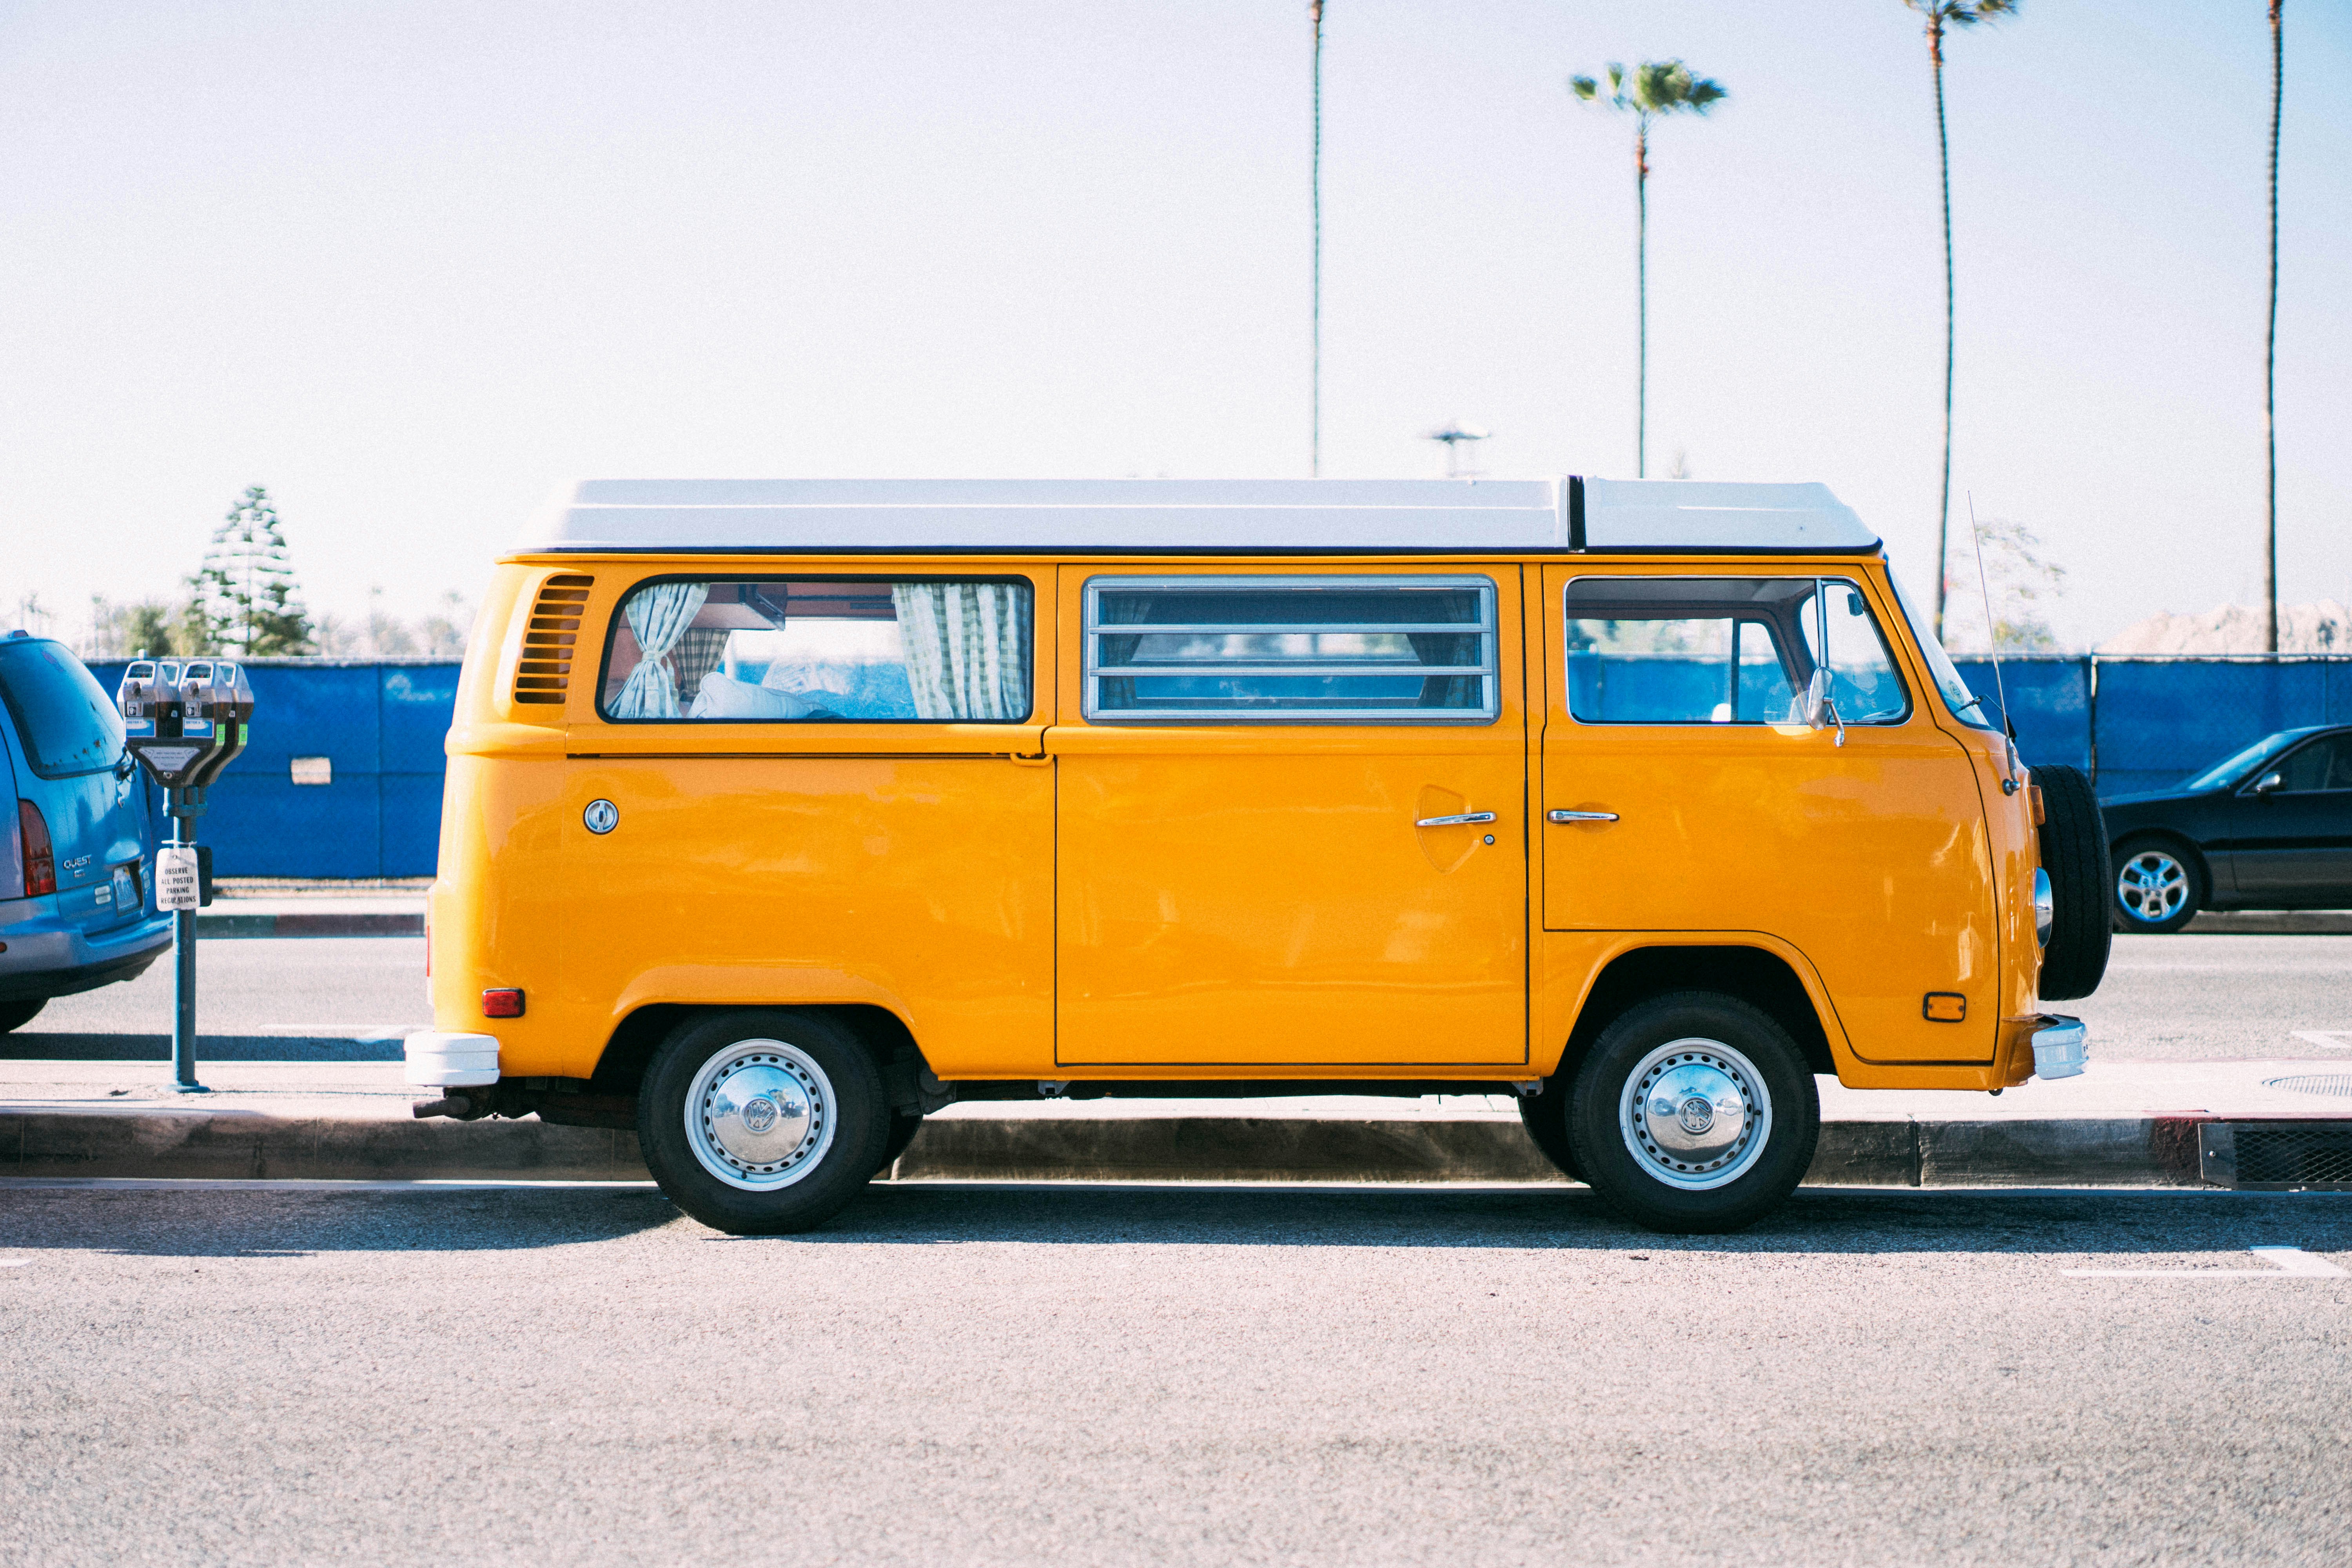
(1723, 650)
(813, 650)
(1364, 650)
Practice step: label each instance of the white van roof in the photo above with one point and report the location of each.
(1206, 516)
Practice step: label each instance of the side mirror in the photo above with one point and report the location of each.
(2269, 781)
(1815, 703)
(1817, 708)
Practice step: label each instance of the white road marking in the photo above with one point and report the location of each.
(16, 1262)
(2286, 1263)
(2329, 1039)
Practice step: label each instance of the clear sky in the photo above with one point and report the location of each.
(411, 265)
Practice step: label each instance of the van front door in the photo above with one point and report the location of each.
(1292, 818)
(1679, 796)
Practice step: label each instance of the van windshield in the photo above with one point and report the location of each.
(1966, 705)
(65, 722)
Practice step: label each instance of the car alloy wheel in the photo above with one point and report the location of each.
(2152, 887)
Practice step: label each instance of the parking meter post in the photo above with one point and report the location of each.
(184, 805)
(184, 722)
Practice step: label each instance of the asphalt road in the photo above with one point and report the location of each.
(2166, 998)
(1032, 1376)
(2185, 998)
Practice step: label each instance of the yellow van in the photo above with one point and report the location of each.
(782, 814)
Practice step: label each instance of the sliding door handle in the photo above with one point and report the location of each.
(1580, 815)
(1466, 819)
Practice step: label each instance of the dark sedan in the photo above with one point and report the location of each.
(2269, 828)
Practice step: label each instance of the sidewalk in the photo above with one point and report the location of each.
(2121, 1124)
(319, 913)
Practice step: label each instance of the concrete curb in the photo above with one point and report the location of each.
(242, 1145)
(220, 923)
(252, 1145)
(2270, 922)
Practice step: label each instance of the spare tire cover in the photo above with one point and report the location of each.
(2075, 853)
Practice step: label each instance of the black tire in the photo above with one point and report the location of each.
(1756, 1173)
(1545, 1115)
(2153, 861)
(807, 1181)
(2081, 885)
(904, 1125)
(16, 1014)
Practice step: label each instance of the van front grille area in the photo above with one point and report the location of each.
(545, 672)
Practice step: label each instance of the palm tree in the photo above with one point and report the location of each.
(1655, 88)
(2270, 346)
(1314, 182)
(1941, 15)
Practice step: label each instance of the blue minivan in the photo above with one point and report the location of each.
(77, 849)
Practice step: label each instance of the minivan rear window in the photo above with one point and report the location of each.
(810, 650)
(65, 721)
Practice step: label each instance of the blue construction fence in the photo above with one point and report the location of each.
(2145, 723)
(378, 725)
(2132, 723)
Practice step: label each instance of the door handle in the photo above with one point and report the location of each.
(1466, 819)
(1580, 816)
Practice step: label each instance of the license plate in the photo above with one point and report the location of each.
(126, 890)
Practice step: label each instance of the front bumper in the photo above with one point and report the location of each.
(50, 954)
(2060, 1047)
(436, 1060)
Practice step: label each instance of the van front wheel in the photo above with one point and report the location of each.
(1695, 1113)
(762, 1122)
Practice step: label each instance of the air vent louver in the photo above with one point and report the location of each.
(545, 672)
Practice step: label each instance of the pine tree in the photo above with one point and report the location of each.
(243, 599)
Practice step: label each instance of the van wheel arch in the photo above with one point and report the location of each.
(1756, 976)
(884, 1035)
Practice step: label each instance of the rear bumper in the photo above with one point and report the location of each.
(436, 1060)
(50, 955)
(2060, 1047)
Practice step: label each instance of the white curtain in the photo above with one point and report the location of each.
(659, 616)
(967, 649)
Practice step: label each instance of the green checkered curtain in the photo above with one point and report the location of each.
(967, 649)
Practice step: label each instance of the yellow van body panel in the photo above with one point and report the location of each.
(1057, 898)
(1865, 851)
(1261, 897)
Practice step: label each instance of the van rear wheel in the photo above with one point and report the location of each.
(1695, 1113)
(762, 1121)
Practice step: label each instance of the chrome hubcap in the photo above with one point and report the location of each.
(1695, 1114)
(2152, 886)
(760, 1115)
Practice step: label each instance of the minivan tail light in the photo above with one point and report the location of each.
(40, 857)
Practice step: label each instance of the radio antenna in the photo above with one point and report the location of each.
(1993, 640)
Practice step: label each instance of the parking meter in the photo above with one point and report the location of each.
(184, 721)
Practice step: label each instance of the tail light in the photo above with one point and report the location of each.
(40, 857)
